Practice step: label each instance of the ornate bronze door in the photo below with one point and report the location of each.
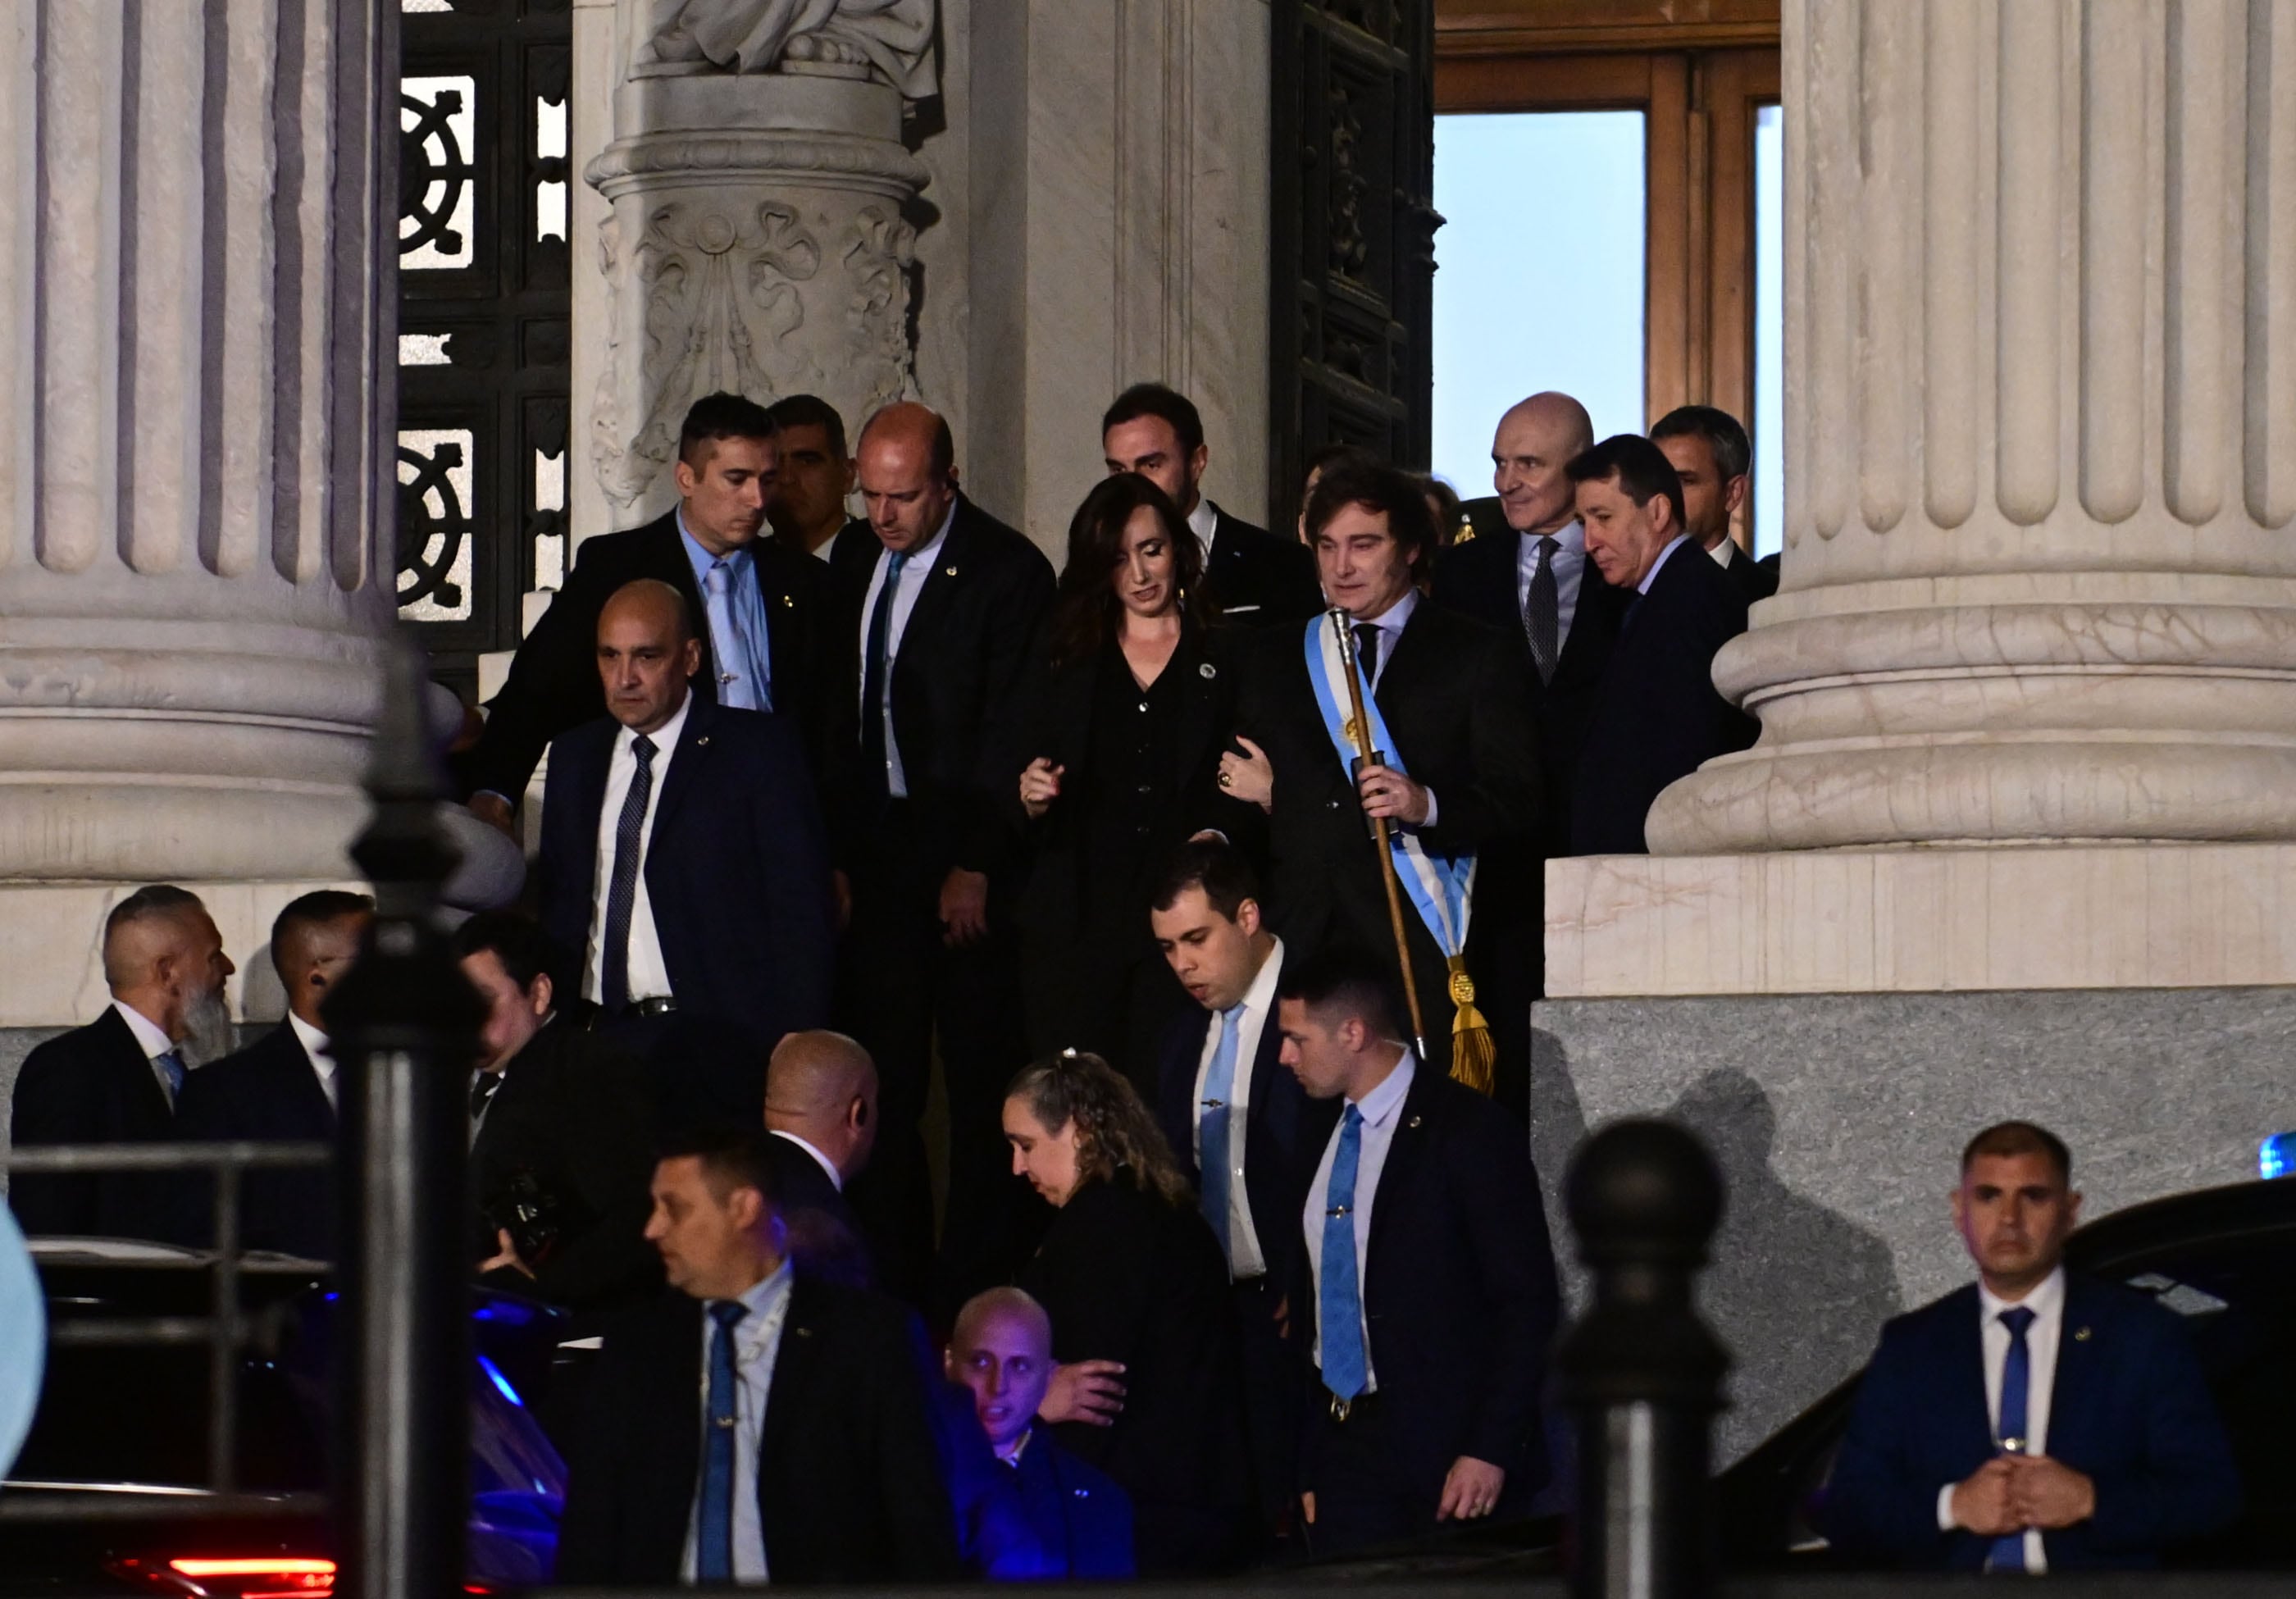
(1354, 227)
(483, 307)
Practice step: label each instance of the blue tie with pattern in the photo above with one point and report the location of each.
(1340, 1308)
(713, 1552)
(171, 1067)
(622, 892)
(737, 675)
(1211, 1126)
(2008, 1551)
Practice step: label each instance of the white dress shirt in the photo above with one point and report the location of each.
(2047, 1304)
(914, 573)
(1204, 522)
(1381, 1111)
(1650, 576)
(649, 975)
(155, 1043)
(1244, 1258)
(1570, 573)
(828, 1167)
(317, 1047)
(756, 1343)
(1725, 553)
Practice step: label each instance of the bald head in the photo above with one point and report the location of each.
(647, 652)
(1003, 1304)
(905, 465)
(1001, 1350)
(822, 1087)
(1536, 439)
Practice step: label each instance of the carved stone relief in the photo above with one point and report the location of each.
(891, 39)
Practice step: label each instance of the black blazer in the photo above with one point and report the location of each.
(962, 658)
(553, 680)
(849, 1483)
(572, 1113)
(1284, 1131)
(1127, 1277)
(825, 1234)
(1459, 1292)
(1453, 703)
(736, 869)
(1659, 716)
(270, 1092)
(2129, 1408)
(1756, 580)
(1477, 578)
(92, 1085)
(1078, 1522)
(1255, 577)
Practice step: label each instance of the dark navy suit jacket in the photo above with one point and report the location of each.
(736, 869)
(1285, 1131)
(2130, 1409)
(270, 1092)
(92, 1085)
(1078, 1522)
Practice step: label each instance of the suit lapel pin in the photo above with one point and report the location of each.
(702, 743)
(949, 571)
(2080, 1335)
(1413, 1122)
(1208, 671)
(788, 602)
(802, 1332)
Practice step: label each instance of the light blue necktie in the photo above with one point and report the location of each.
(1340, 1310)
(713, 1554)
(171, 1067)
(2008, 1551)
(738, 679)
(1211, 1126)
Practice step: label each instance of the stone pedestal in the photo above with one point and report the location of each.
(195, 499)
(2019, 837)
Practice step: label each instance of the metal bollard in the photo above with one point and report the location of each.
(405, 1024)
(1641, 1373)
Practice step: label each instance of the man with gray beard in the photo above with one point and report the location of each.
(115, 1081)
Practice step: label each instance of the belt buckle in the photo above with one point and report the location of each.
(1340, 1407)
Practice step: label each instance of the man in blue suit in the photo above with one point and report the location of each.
(683, 856)
(2033, 1421)
(1240, 1125)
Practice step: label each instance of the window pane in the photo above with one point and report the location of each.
(1539, 279)
(1769, 330)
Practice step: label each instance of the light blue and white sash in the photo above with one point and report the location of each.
(1442, 886)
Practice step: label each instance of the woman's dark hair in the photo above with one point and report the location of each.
(1086, 610)
(1116, 1136)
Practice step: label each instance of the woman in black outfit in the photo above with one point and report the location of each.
(1130, 1272)
(1120, 733)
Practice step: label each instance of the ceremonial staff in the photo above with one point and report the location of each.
(1359, 735)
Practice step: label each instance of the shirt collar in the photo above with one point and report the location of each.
(1204, 520)
(1392, 619)
(1570, 536)
(2046, 1301)
(759, 1299)
(1725, 553)
(1261, 997)
(149, 1036)
(665, 737)
(828, 1166)
(701, 560)
(314, 1044)
(1650, 576)
(1382, 1102)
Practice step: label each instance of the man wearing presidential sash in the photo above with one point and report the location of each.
(1445, 751)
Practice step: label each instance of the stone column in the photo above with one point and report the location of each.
(2041, 406)
(195, 491)
(757, 240)
(2019, 838)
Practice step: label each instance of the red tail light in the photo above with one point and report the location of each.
(236, 1576)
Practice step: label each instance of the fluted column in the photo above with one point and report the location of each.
(199, 298)
(2039, 582)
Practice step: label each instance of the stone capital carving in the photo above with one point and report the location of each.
(754, 155)
(890, 39)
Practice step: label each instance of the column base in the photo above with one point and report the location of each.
(1838, 1120)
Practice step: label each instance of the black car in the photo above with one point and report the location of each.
(2224, 1259)
(122, 1436)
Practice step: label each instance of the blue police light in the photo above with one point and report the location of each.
(494, 1374)
(2276, 1157)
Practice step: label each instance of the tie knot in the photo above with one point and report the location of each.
(719, 570)
(1547, 544)
(1231, 1018)
(900, 559)
(1352, 1121)
(726, 1313)
(642, 747)
(2017, 1318)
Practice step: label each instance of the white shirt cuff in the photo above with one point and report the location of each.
(1945, 1507)
(1430, 821)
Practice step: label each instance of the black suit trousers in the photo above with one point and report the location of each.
(903, 992)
